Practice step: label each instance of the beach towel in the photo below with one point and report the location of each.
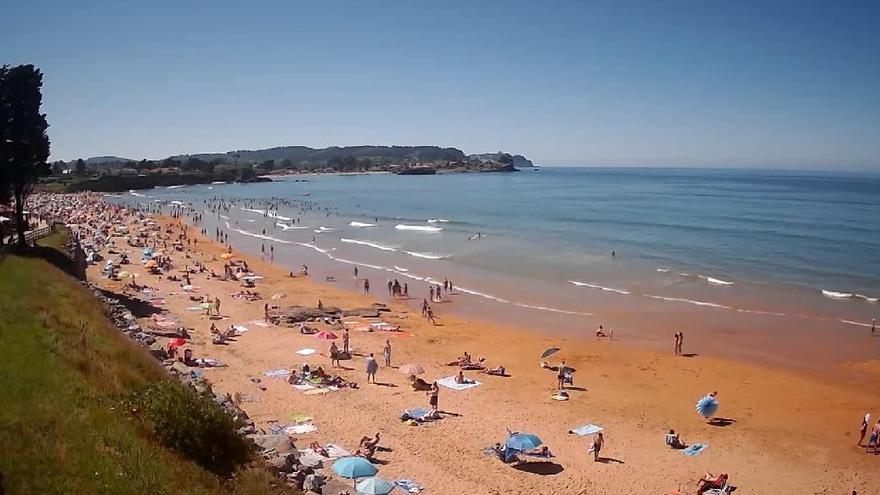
(276, 429)
(695, 449)
(277, 373)
(304, 387)
(299, 417)
(261, 324)
(300, 429)
(335, 451)
(409, 486)
(195, 308)
(585, 430)
(317, 391)
(449, 382)
(306, 352)
(210, 363)
(310, 458)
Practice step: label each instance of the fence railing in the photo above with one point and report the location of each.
(29, 237)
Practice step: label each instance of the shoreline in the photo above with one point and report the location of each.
(635, 394)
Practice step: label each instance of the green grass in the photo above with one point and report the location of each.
(63, 368)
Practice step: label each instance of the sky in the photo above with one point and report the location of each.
(611, 83)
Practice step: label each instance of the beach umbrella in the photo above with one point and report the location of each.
(412, 369)
(375, 486)
(325, 335)
(549, 352)
(124, 274)
(174, 343)
(707, 406)
(354, 467)
(523, 441)
(148, 251)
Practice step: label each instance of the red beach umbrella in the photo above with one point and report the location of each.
(325, 335)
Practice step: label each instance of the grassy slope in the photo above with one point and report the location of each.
(61, 367)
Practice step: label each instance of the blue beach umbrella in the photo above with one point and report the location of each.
(523, 441)
(707, 406)
(354, 467)
(374, 486)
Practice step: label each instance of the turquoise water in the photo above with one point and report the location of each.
(765, 243)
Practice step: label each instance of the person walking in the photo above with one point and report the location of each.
(372, 368)
(864, 428)
(386, 353)
(560, 376)
(366, 286)
(433, 398)
(596, 447)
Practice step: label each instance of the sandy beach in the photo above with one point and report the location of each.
(784, 431)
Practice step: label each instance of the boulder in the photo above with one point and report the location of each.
(280, 443)
(284, 463)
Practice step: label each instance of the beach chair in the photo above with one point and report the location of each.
(724, 490)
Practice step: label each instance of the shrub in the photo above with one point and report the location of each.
(191, 424)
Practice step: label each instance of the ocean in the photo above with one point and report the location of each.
(750, 249)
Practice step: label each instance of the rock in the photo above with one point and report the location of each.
(280, 443)
(247, 430)
(158, 351)
(299, 314)
(362, 312)
(285, 463)
(180, 368)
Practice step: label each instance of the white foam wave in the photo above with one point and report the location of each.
(258, 236)
(291, 227)
(400, 269)
(689, 301)
(481, 294)
(427, 256)
(599, 287)
(438, 220)
(175, 187)
(322, 229)
(715, 281)
(137, 194)
(663, 270)
(218, 182)
(857, 323)
(759, 312)
(418, 228)
(836, 295)
(374, 245)
(553, 310)
(224, 217)
(867, 298)
(361, 224)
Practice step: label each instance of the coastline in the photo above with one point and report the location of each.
(636, 394)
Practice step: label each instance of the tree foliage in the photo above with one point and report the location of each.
(24, 144)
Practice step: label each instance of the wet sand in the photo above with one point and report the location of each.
(790, 432)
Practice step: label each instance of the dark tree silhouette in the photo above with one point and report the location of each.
(24, 145)
(80, 167)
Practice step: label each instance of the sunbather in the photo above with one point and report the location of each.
(673, 442)
(460, 379)
(539, 452)
(316, 448)
(497, 371)
(710, 482)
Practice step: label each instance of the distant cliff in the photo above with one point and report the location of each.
(518, 161)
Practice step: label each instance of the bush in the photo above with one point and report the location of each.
(191, 424)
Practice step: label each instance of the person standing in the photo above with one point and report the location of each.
(334, 356)
(873, 325)
(424, 308)
(433, 398)
(596, 447)
(560, 376)
(431, 316)
(217, 305)
(386, 353)
(372, 367)
(366, 286)
(680, 343)
(864, 428)
(345, 340)
(355, 273)
(675, 344)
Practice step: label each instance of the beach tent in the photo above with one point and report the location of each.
(375, 486)
(523, 441)
(353, 467)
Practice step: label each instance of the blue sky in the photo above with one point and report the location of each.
(696, 83)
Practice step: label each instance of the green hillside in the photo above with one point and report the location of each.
(63, 372)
